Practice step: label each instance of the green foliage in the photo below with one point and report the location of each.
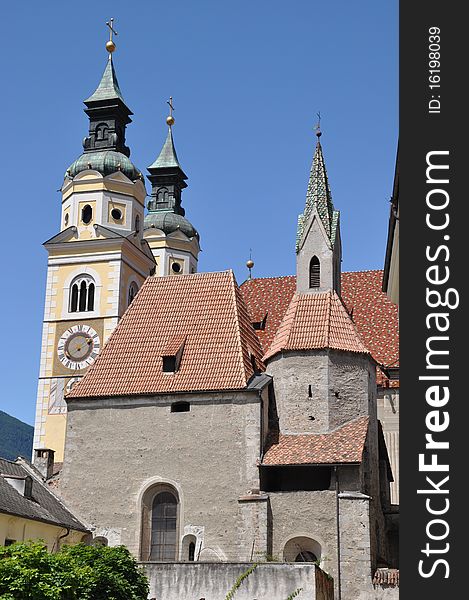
(239, 581)
(296, 593)
(16, 439)
(29, 572)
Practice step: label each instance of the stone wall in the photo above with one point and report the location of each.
(388, 414)
(212, 581)
(293, 373)
(342, 388)
(116, 449)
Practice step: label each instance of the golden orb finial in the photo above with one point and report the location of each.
(110, 45)
(170, 118)
(249, 264)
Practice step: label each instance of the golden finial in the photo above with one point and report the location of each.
(318, 126)
(170, 119)
(110, 46)
(250, 263)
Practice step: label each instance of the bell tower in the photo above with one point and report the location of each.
(318, 245)
(173, 240)
(98, 260)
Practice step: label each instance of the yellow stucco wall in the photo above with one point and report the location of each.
(20, 529)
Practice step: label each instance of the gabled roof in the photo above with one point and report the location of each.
(374, 315)
(315, 322)
(42, 506)
(206, 308)
(344, 445)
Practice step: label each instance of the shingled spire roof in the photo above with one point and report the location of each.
(108, 88)
(319, 196)
(167, 157)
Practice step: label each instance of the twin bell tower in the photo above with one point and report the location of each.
(105, 249)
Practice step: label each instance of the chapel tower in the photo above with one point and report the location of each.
(173, 240)
(98, 260)
(318, 245)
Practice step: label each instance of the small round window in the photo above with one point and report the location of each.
(86, 214)
(116, 214)
(176, 267)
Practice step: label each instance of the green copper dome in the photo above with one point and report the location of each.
(169, 222)
(105, 162)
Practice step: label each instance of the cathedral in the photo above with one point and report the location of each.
(204, 424)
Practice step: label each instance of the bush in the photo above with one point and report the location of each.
(29, 572)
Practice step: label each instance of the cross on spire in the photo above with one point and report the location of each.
(171, 107)
(110, 24)
(317, 127)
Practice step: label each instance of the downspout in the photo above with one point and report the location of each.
(339, 591)
(61, 537)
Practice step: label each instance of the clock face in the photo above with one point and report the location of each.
(78, 347)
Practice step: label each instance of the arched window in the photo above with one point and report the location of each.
(164, 526)
(188, 547)
(314, 273)
(192, 551)
(137, 224)
(302, 549)
(82, 293)
(160, 524)
(101, 132)
(133, 289)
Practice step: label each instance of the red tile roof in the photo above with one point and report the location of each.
(314, 322)
(207, 311)
(375, 317)
(268, 296)
(344, 445)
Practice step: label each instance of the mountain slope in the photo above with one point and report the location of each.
(16, 437)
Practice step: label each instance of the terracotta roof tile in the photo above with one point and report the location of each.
(316, 321)
(205, 309)
(344, 445)
(374, 315)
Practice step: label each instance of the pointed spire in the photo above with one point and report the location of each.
(319, 195)
(108, 88)
(167, 157)
(166, 175)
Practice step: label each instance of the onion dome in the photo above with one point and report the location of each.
(169, 222)
(105, 162)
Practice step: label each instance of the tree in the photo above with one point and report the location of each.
(29, 572)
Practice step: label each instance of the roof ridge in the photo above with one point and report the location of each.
(233, 285)
(294, 300)
(329, 320)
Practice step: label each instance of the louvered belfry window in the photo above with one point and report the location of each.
(314, 273)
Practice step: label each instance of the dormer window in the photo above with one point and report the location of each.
(169, 364)
(314, 273)
(260, 325)
(172, 354)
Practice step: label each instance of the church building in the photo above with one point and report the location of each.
(202, 421)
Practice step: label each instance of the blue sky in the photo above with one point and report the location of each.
(247, 80)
